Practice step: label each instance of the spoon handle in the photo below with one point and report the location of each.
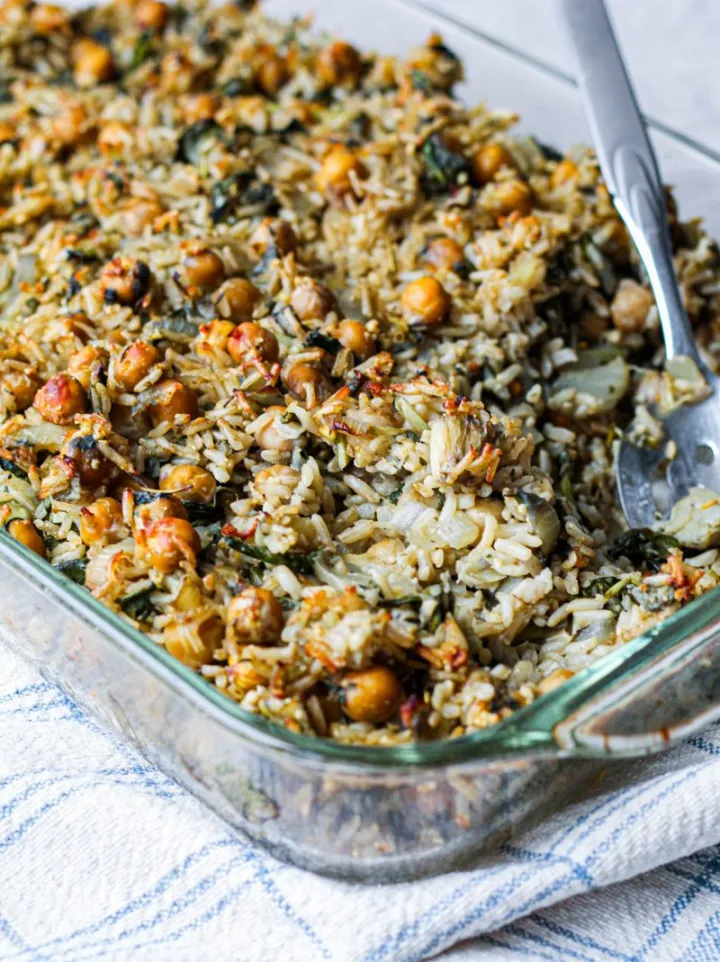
(628, 162)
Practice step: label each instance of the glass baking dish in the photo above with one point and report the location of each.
(387, 814)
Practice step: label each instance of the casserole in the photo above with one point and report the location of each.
(348, 810)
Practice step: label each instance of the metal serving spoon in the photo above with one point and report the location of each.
(631, 174)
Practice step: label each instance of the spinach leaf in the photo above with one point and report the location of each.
(329, 344)
(414, 600)
(643, 547)
(142, 49)
(302, 563)
(138, 605)
(443, 167)
(12, 468)
(178, 327)
(74, 569)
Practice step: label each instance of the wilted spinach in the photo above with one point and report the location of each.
(73, 569)
(196, 140)
(138, 606)
(12, 468)
(302, 563)
(329, 344)
(443, 167)
(643, 547)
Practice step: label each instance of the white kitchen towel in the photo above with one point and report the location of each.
(103, 857)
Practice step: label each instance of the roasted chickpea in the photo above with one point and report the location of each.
(271, 73)
(89, 464)
(488, 160)
(509, 196)
(102, 521)
(255, 617)
(135, 363)
(171, 398)
(630, 306)
(60, 398)
(311, 300)
(371, 695)
(444, 254)
(114, 138)
(339, 64)
(198, 107)
(138, 214)
(565, 171)
(236, 299)
(166, 506)
(337, 171)
(250, 342)
(85, 364)
(151, 15)
(554, 680)
(268, 437)
(22, 386)
(189, 482)
(70, 124)
(8, 133)
(273, 234)
(354, 336)
(201, 271)
(176, 73)
(93, 63)
(425, 302)
(593, 326)
(27, 534)
(47, 18)
(169, 542)
(304, 381)
(125, 281)
(213, 337)
(193, 640)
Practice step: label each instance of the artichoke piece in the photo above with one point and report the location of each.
(584, 391)
(455, 443)
(543, 518)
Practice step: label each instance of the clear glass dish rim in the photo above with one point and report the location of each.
(528, 732)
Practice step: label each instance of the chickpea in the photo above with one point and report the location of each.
(189, 597)
(166, 506)
(311, 300)
(371, 695)
(202, 271)
(335, 175)
(339, 64)
(444, 254)
(488, 160)
(354, 336)
(170, 399)
(302, 380)
(114, 138)
(565, 171)
(236, 299)
(8, 133)
(93, 63)
(554, 680)
(60, 399)
(198, 107)
(102, 521)
(511, 195)
(188, 481)
(268, 437)
(135, 363)
(151, 15)
(213, 337)
(69, 125)
(89, 464)
(255, 617)
(125, 281)
(47, 19)
(138, 214)
(271, 73)
(27, 534)
(250, 342)
(593, 326)
(86, 363)
(425, 302)
(193, 641)
(169, 542)
(273, 234)
(22, 386)
(630, 306)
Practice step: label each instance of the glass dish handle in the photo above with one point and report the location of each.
(663, 689)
